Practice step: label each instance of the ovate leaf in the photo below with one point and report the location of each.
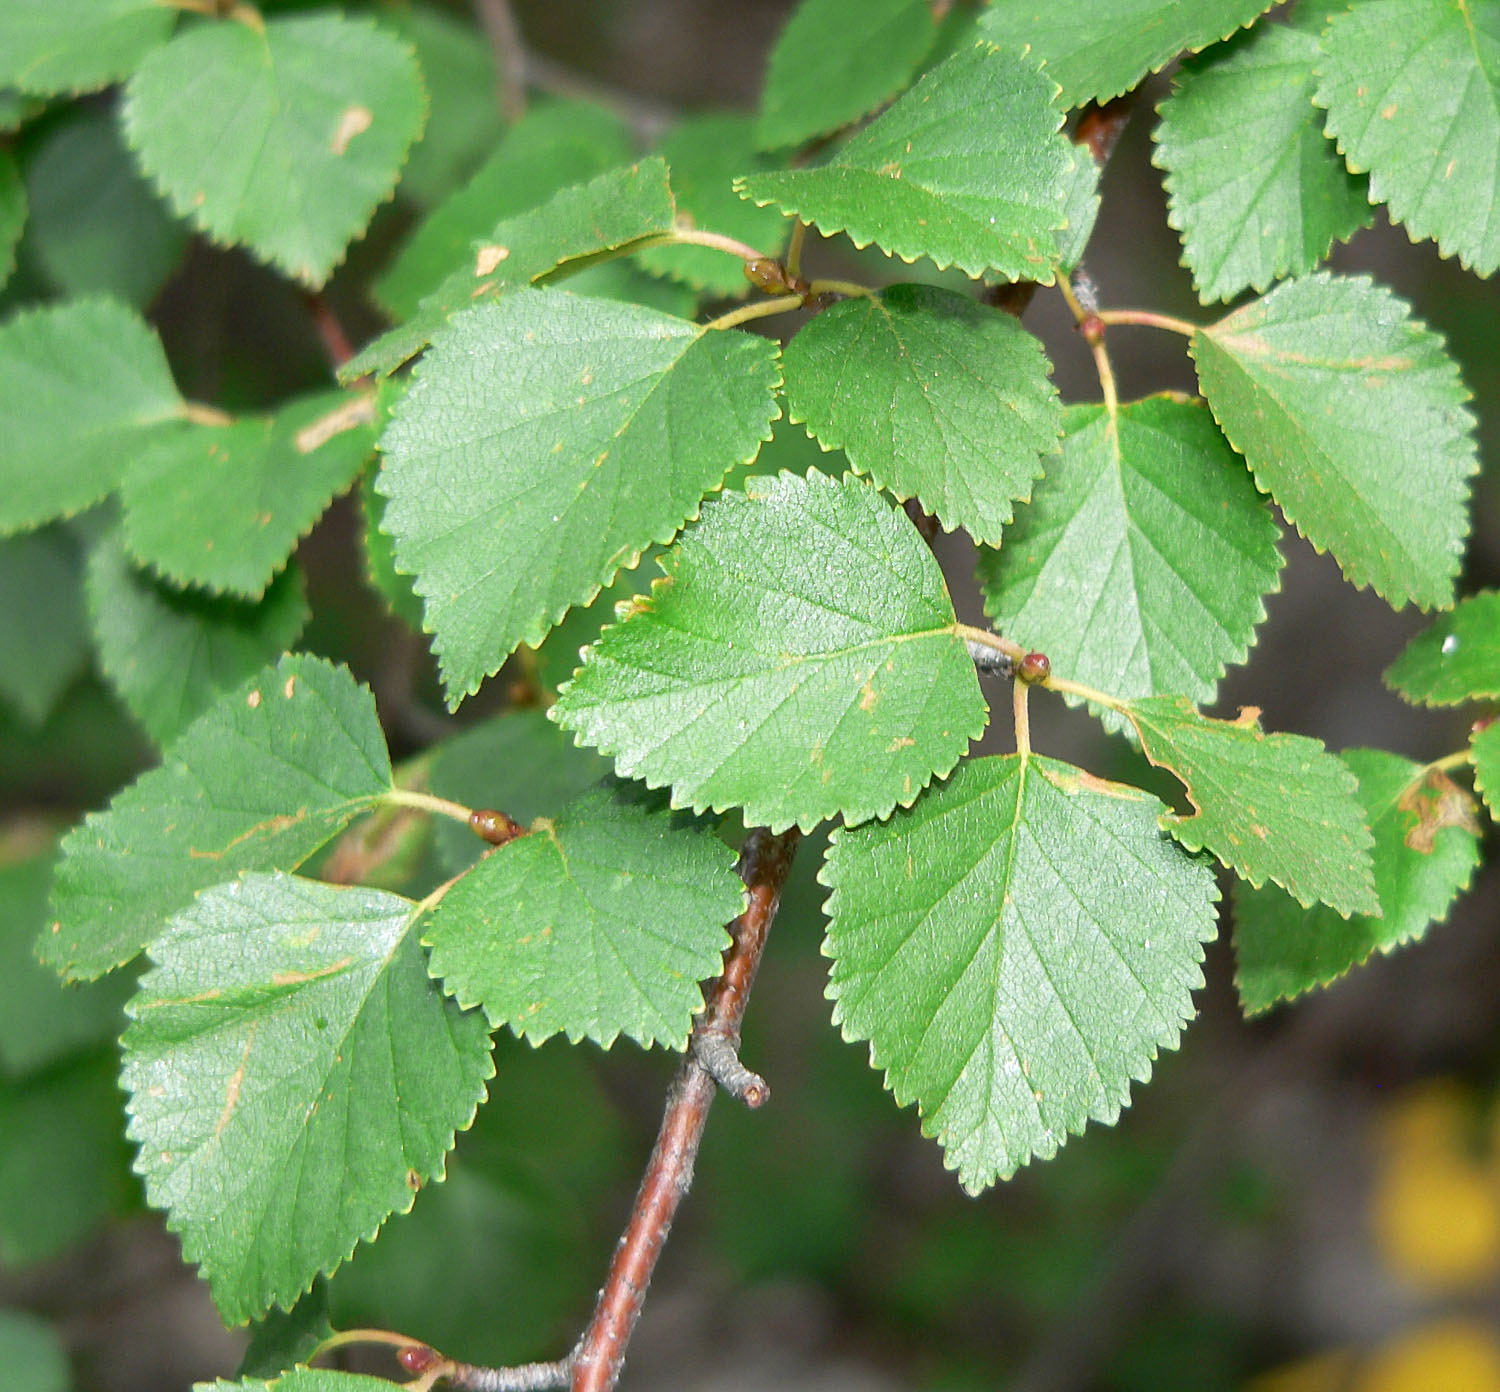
(258, 783)
(1486, 752)
(294, 1078)
(302, 1380)
(967, 168)
(800, 660)
(53, 46)
(170, 654)
(1277, 204)
(706, 154)
(546, 440)
(222, 506)
(1016, 948)
(621, 206)
(1140, 563)
(1426, 848)
(548, 149)
(931, 394)
(1351, 416)
(519, 763)
(97, 226)
(44, 631)
(836, 61)
(1457, 659)
(283, 136)
(1412, 89)
(82, 387)
(1100, 50)
(601, 921)
(12, 213)
(1275, 807)
(287, 1337)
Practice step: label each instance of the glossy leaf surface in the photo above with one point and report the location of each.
(1016, 948)
(799, 660)
(1456, 659)
(1486, 752)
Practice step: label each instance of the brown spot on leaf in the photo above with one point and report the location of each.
(355, 121)
(488, 257)
(290, 688)
(236, 1082)
(295, 978)
(1434, 802)
(413, 1181)
(359, 411)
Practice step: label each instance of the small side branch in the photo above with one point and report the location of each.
(498, 21)
(600, 1354)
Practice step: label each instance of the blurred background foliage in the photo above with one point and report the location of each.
(1307, 1204)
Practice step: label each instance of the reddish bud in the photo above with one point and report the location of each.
(418, 1358)
(1091, 326)
(1033, 668)
(494, 827)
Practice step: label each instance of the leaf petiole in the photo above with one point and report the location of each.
(1148, 319)
(761, 309)
(426, 802)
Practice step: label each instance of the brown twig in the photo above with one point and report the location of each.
(330, 331)
(600, 1354)
(498, 21)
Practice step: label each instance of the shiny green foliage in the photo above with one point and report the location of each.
(97, 226)
(303, 1380)
(1240, 780)
(294, 1077)
(1016, 948)
(44, 633)
(1351, 415)
(1273, 201)
(282, 137)
(1485, 750)
(1140, 563)
(258, 783)
(706, 154)
(599, 922)
(1100, 50)
(931, 394)
(546, 440)
(838, 60)
(1412, 89)
(1457, 659)
(619, 207)
(222, 506)
(170, 653)
(83, 385)
(550, 148)
(1426, 849)
(799, 660)
(51, 46)
(926, 179)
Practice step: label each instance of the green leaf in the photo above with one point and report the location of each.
(1485, 747)
(170, 654)
(380, 558)
(222, 506)
(561, 652)
(548, 149)
(282, 137)
(1273, 203)
(41, 1020)
(1140, 563)
(1426, 849)
(599, 922)
(287, 1337)
(706, 154)
(1351, 416)
(54, 46)
(838, 60)
(44, 632)
(546, 440)
(1016, 948)
(931, 394)
(61, 1147)
(97, 226)
(519, 763)
(294, 1078)
(258, 783)
(302, 1380)
(1274, 807)
(799, 660)
(82, 387)
(621, 206)
(12, 213)
(1099, 51)
(463, 123)
(1412, 89)
(1457, 659)
(1081, 208)
(32, 1354)
(930, 178)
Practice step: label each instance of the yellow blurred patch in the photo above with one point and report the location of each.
(1451, 1356)
(1328, 1372)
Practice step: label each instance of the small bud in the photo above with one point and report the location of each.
(417, 1358)
(1091, 326)
(1033, 668)
(765, 274)
(494, 827)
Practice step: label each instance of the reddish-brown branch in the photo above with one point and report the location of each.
(499, 23)
(330, 331)
(600, 1354)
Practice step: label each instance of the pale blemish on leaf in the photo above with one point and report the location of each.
(358, 411)
(355, 121)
